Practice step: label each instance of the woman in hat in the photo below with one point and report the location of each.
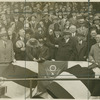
(32, 50)
(6, 51)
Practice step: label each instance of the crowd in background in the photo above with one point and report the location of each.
(51, 31)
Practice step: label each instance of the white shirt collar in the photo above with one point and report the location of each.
(73, 34)
(80, 42)
(67, 40)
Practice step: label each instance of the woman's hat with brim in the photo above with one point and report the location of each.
(32, 42)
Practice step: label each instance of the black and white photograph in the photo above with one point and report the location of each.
(50, 50)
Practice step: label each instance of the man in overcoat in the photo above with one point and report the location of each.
(82, 48)
(66, 50)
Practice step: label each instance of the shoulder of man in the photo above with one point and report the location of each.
(94, 46)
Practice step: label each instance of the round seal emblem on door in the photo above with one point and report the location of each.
(52, 68)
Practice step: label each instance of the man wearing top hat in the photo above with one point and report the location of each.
(6, 51)
(66, 50)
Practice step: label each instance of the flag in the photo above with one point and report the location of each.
(78, 89)
(49, 69)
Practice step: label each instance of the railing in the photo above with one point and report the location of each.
(45, 79)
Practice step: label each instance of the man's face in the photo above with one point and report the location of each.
(73, 29)
(21, 19)
(82, 24)
(98, 39)
(41, 23)
(93, 33)
(97, 22)
(66, 37)
(50, 32)
(9, 32)
(4, 38)
(67, 23)
(80, 38)
(40, 30)
(57, 32)
(27, 36)
(22, 33)
(74, 15)
(33, 18)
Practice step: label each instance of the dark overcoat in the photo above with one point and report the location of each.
(66, 51)
(82, 51)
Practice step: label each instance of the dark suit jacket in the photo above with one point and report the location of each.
(44, 52)
(37, 52)
(31, 53)
(82, 50)
(66, 51)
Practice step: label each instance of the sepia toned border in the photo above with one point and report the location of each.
(48, 1)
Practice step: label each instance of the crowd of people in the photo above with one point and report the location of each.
(56, 31)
